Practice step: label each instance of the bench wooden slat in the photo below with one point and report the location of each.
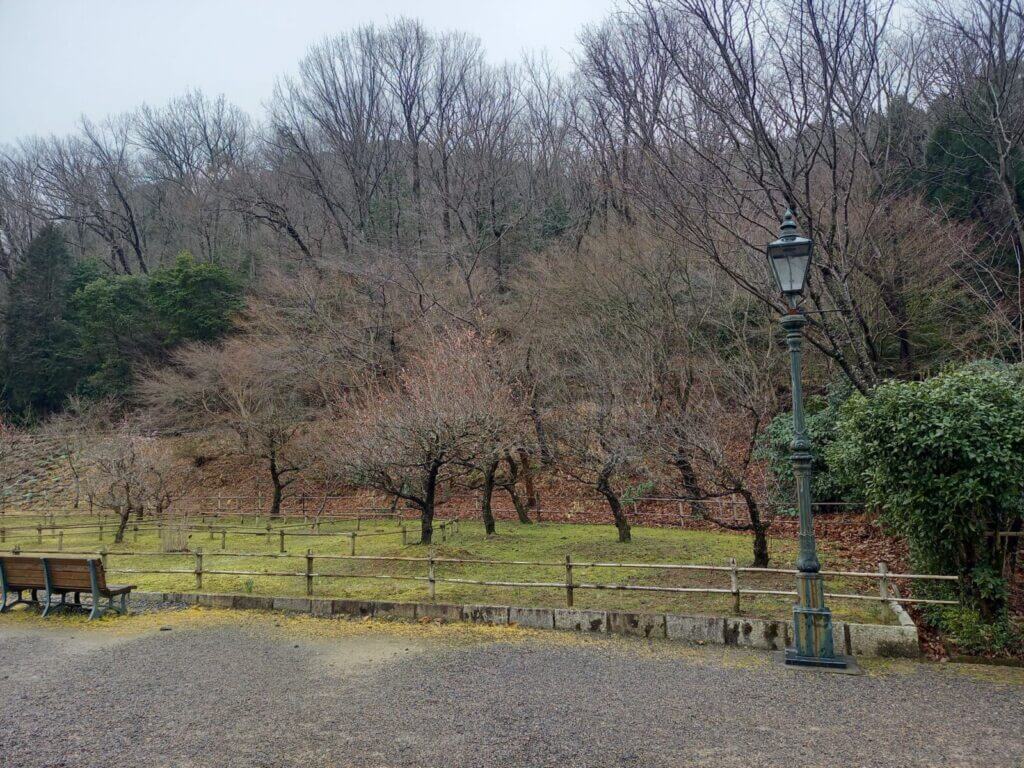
(66, 575)
(24, 572)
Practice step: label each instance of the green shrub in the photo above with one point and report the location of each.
(975, 636)
(821, 417)
(943, 459)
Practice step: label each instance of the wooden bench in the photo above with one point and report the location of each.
(56, 578)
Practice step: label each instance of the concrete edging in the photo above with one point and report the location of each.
(766, 634)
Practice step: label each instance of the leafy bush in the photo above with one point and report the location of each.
(821, 416)
(973, 635)
(943, 459)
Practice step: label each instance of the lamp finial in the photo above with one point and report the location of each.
(787, 229)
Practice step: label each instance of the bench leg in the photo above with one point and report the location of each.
(97, 610)
(124, 603)
(19, 599)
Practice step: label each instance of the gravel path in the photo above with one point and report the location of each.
(250, 694)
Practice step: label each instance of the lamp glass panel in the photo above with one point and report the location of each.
(790, 271)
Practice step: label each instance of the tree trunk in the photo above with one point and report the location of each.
(621, 523)
(759, 528)
(513, 492)
(688, 476)
(521, 512)
(427, 506)
(275, 476)
(124, 512)
(426, 524)
(532, 498)
(485, 501)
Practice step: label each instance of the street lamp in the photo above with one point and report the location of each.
(790, 260)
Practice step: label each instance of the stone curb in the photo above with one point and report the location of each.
(765, 634)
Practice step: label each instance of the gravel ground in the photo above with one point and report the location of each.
(247, 693)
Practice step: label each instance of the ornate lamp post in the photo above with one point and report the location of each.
(790, 259)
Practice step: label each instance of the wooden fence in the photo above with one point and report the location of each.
(281, 532)
(571, 567)
(570, 584)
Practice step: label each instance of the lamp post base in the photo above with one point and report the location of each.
(812, 625)
(847, 665)
(794, 659)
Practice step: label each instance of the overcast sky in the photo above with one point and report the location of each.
(60, 59)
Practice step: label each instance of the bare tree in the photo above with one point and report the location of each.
(742, 110)
(975, 55)
(412, 439)
(191, 150)
(245, 388)
(115, 476)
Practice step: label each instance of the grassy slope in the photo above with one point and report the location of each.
(544, 542)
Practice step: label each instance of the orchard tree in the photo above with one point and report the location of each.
(414, 438)
(115, 474)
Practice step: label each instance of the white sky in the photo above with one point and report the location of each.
(60, 59)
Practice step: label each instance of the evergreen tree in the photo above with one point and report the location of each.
(39, 367)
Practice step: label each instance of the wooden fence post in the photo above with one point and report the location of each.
(223, 538)
(209, 529)
(359, 521)
(883, 581)
(60, 540)
(405, 535)
(101, 529)
(103, 557)
(568, 580)
(282, 540)
(39, 534)
(135, 532)
(309, 572)
(734, 585)
(199, 568)
(3, 535)
(430, 576)
(352, 543)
